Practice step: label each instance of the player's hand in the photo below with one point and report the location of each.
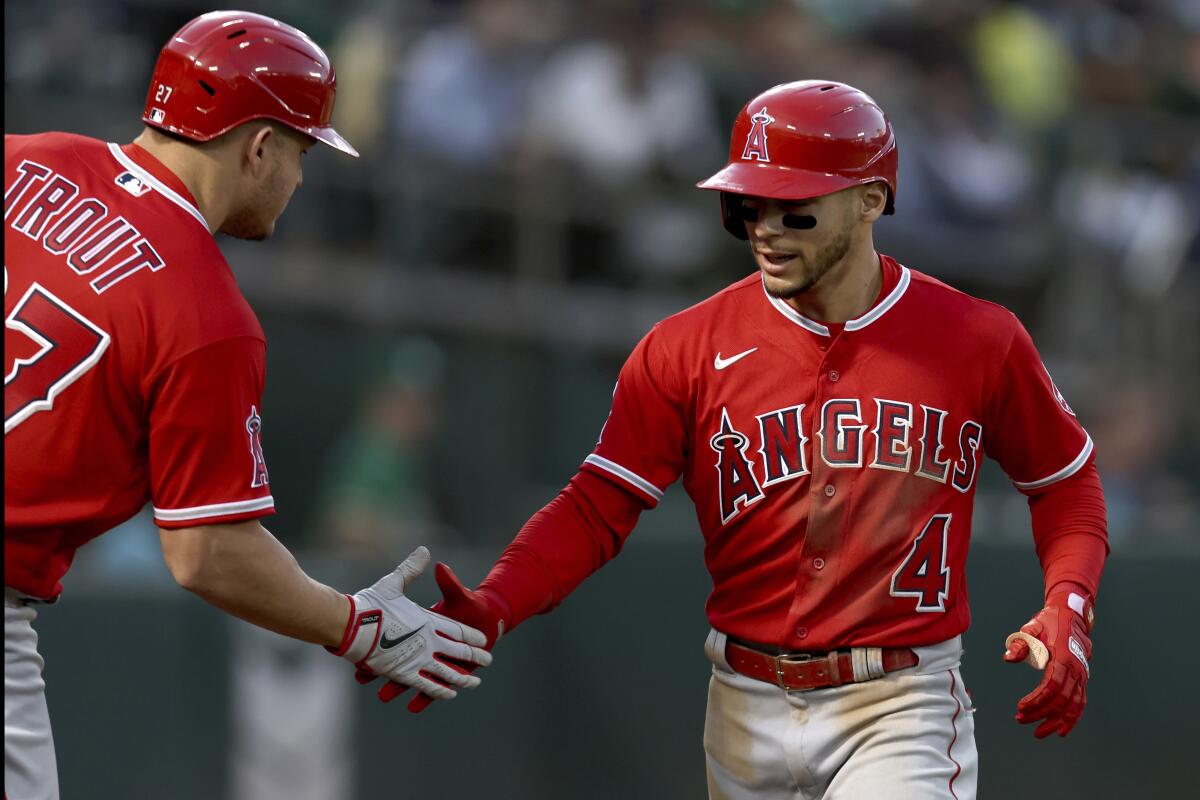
(1059, 699)
(469, 607)
(391, 636)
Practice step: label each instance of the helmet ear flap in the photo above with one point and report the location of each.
(732, 214)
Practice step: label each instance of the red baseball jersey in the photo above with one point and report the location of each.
(833, 467)
(134, 367)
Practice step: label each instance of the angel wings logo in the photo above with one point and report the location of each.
(756, 140)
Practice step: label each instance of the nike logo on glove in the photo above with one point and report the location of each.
(387, 644)
(722, 363)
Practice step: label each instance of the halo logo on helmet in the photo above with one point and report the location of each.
(756, 140)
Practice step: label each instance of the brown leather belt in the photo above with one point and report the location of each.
(803, 672)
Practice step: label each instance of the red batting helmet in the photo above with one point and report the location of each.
(805, 139)
(229, 67)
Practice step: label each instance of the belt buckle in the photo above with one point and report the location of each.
(792, 658)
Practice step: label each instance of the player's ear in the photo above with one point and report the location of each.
(254, 147)
(872, 201)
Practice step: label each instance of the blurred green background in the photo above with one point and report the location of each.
(447, 315)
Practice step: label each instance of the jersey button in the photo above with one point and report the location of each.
(802, 632)
(818, 563)
(833, 375)
(829, 490)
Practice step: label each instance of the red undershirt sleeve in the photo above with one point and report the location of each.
(1070, 532)
(578, 532)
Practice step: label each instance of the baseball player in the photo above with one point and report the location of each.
(828, 415)
(134, 367)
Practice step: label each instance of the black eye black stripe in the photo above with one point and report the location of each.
(800, 222)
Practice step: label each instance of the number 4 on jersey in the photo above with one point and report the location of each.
(924, 574)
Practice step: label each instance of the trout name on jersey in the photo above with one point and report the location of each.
(842, 442)
(46, 207)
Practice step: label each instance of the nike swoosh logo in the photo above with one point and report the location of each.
(387, 644)
(722, 363)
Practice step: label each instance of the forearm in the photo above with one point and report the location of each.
(244, 570)
(1070, 531)
(578, 532)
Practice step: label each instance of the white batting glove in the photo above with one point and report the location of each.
(392, 637)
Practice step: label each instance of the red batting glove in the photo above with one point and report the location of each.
(462, 604)
(1058, 701)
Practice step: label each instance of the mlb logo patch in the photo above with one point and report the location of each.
(132, 184)
(157, 115)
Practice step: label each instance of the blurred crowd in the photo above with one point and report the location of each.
(1050, 160)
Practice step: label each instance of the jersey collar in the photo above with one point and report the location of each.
(881, 307)
(153, 172)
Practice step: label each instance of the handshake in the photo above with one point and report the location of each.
(389, 636)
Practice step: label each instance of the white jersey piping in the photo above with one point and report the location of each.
(878, 311)
(624, 474)
(1065, 472)
(160, 187)
(215, 510)
(851, 325)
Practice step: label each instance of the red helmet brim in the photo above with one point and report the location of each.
(776, 181)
